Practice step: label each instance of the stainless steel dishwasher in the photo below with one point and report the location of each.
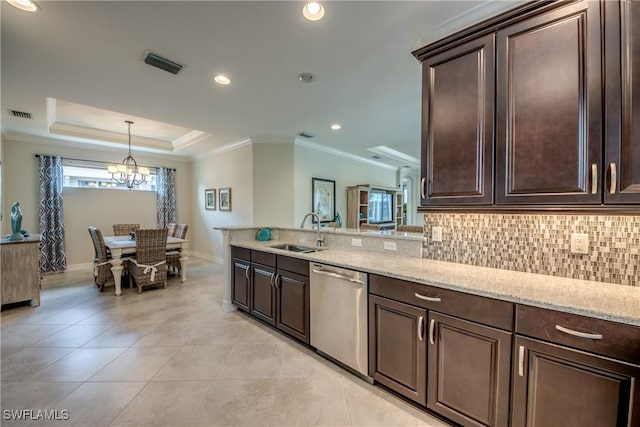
(338, 319)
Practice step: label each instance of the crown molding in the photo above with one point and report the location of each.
(189, 139)
(224, 149)
(91, 135)
(340, 153)
(105, 148)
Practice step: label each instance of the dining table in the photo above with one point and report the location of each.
(123, 247)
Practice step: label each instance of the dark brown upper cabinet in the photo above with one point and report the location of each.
(537, 108)
(458, 104)
(549, 108)
(622, 102)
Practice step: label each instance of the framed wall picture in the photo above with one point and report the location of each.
(323, 201)
(224, 199)
(210, 199)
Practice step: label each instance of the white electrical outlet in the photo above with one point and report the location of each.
(390, 246)
(436, 234)
(356, 242)
(579, 243)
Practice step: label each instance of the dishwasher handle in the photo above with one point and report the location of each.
(337, 276)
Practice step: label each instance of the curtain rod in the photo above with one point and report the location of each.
(107, 163)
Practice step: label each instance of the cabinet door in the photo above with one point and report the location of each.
(293, 304)
(457, 139)
(622, 61)
(549, 113)
(397, 349)
(241, 281)
(469, 368)
(554, 386)
(263, 293)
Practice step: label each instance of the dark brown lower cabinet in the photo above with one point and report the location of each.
(263, 293)
(241, 282)
(397, 348)
(469, 368)
(556, 386)
(293, 304)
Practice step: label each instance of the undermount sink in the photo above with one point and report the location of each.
(294, 248)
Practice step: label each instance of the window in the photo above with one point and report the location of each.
(86, 174)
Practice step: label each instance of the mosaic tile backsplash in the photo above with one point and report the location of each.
(537, 243)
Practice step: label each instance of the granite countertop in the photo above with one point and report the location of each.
(601, 300)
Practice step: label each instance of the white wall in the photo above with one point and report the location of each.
(273, 196)
(311, 163)
(84, 207)
(270, 183)
(233, 169)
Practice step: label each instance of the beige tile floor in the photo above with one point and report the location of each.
(172, 357)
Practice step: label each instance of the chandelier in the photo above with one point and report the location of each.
(128, 172)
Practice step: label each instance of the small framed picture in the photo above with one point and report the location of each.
(210, 199)
(224, 195)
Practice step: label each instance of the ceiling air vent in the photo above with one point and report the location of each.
(21, 114)
(162, 63)
(305, 135)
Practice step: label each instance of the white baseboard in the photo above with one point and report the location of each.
(208, 257)
(88, 266)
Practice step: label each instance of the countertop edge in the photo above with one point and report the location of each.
(377, 263)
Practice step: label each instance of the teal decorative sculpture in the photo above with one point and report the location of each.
(16, 222)
(264, 234)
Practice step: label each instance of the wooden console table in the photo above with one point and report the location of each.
(20, 270)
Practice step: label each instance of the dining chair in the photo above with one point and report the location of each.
(172, 226)
(102, 274)
(173, 255)
(411, 228)
(124, 229)
(149, 267)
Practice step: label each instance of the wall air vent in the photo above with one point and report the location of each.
(162, 63)
(21, 114)
(305, 135)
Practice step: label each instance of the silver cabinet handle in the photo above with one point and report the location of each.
(273, 276)
(277, 280)
(420, 325)
(246, 273)
(613, 184)
(431, 299)
(422, 189)
(432, 329)
(337, 276)
(521, 361)
(579, 334)
(594, 178)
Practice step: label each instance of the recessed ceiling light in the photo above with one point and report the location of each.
(26, 5)
(222, 79)
(313, 11)
(336, 126)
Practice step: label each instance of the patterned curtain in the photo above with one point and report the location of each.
(53, 257)
(166, 196)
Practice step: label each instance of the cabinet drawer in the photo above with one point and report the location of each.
(470, 307)
(264, 258)
(242, 253)
(617, 340)
(294, 265)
